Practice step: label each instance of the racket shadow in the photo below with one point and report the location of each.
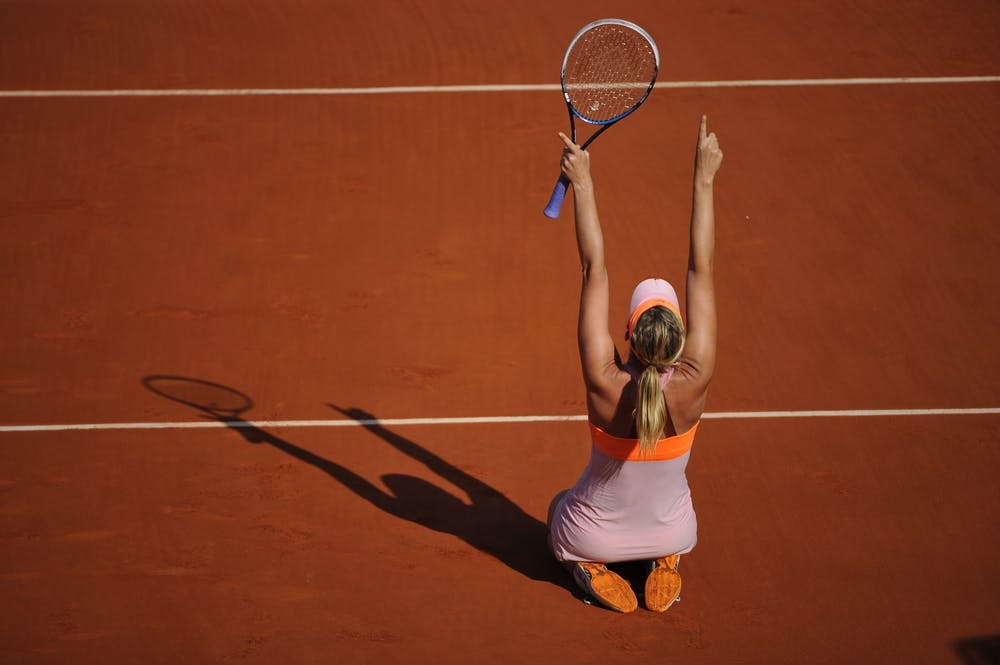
(490, 522)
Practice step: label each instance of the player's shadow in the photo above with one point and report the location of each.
(489, 521)
(982, 650)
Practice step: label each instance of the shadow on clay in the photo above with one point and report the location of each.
(984, 650)
(490, 522)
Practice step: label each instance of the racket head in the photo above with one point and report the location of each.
(212, 399)
(609, 69)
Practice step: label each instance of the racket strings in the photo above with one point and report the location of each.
(608, 72)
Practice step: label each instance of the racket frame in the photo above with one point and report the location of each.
(559, 192)
(605, 124)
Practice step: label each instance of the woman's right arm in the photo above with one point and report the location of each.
(597, 347)
(698, 359)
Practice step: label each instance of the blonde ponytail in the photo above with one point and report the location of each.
(650, 410)
(657, 341)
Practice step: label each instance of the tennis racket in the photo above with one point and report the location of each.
(608, 71)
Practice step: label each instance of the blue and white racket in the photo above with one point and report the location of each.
(608, 71)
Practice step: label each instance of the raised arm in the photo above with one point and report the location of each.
(698, 359)
(597, 348)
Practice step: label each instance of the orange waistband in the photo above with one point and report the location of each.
(627, 450)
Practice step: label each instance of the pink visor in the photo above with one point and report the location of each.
(650, 293)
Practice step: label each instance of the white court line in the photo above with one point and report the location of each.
(488, 420)
(418, 89)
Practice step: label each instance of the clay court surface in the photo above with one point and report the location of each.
(345, 256)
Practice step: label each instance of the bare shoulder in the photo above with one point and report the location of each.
(686, 395)
(605, 393)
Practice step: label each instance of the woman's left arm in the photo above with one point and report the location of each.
(597, 348)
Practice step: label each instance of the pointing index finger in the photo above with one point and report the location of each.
(703, 129)
(569, 143)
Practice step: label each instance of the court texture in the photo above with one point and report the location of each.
(288, 369)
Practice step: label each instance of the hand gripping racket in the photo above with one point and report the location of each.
(608, 71)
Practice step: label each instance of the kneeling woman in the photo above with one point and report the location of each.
(632, 502)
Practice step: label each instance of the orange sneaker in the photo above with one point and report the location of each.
(663, 585)
(607, 587)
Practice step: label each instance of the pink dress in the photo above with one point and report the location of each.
(625, 507)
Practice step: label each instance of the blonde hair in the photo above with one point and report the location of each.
(657, 341)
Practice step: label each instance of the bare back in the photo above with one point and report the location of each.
(612, 399)
(611, 392)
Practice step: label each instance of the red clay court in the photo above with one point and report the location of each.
(365, 267)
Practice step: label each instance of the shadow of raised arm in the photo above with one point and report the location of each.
(348, 478)
(489, 522)
(475, 488)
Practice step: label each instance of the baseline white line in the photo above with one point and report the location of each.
(720, 415)
(792, 83)
(420, 89)
(851, 413)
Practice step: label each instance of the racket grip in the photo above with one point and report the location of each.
(556, 200)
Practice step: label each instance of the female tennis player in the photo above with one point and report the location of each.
(632, 502)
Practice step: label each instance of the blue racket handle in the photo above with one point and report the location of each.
(556, 200)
